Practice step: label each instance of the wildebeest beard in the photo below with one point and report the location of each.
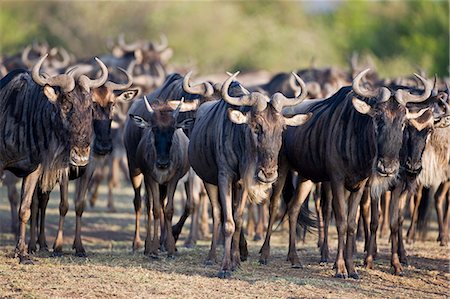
(264, 141)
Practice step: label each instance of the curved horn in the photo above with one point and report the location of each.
(25, 56)
(406, 97)
(357, 89)
(67, 83)
(162, 45)
(204, 89)
(65, 59)
(88, 83)
(115, 86)
(131, 66)
(245, 100)
(278, 100)
(130, 47)
(147, 105)
(35, 72)
(435, 90)
(161, 75)
(176, 112)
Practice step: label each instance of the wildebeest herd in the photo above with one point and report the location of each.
(351, 139)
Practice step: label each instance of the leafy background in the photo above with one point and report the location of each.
(246, 35)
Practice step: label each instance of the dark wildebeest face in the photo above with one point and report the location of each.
(163, 123)
(105, 100)
(389, 113)
(74, 103)
(415, 138)
(265, 126)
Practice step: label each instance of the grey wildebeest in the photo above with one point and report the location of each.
(157, 152)
(234, 149)
(353, 135)
(46, 125)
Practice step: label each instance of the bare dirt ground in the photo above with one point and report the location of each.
(112, 270)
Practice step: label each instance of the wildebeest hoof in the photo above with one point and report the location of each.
(340, 275)
(397, 272)
(189, 244)
(153, 256)
(43, 249)
(323, 261)
(257, 238)
(263, 261)
(25, 260)
(297, 265)
(81, 253)
(57, 253)
(32, 249)
(209, 262)
(224, 274)
(404, 262)
(354, 275)
(171, 256)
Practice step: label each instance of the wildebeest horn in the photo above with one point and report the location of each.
(357, 89)
(161, 46)
(130, 47)
(147, 105)
(278, 100)
(402, 96)
(65, 59)
(205, 89)
(435, 90)
(176, 112)
(115, 86)
(88, 83)
(67, 83)
(161, 75)
(245, 100)
(25, 56)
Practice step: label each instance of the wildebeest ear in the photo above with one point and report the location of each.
(127, 95)
(185, 124)
(50, 93)
(297, 120)
(237, 116)
(139, 121)
(424, 120)
(362, 107)
(414, 115)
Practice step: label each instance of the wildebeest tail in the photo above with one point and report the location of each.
(306, 219)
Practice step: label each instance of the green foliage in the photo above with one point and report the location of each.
(218, 36)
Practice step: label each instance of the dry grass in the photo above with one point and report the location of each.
(112, 270)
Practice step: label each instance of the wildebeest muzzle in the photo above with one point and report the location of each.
(79, 156)
(267, 176)
(387, 167)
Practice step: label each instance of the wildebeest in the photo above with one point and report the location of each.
(353, 135)
(234, 149)
(157, 151)
(46, 124)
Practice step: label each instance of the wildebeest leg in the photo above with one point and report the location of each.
(326, 206)
(213, 194)
(225, 195)
(412, 227)
(188, 209)
(168, 214)
(81, 187)
(365, 215)
(204, 226)
(301, 192)
(43, 201)
(319, 214)
(113, 182)
(63, 208)
(136, 181)
(194, 208)
(446, 190)
(353, 205)
(386, 199)
(13, 197)
(241, 200)
(251, 220)
(374, 218)
(148, 199)
(95, 183)
(32, 248)
(155, 242)
(260, 223)
(401, 244)
(439, 199)
(274, 203)
(341, 225)
(394, 223)
(28, 188)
